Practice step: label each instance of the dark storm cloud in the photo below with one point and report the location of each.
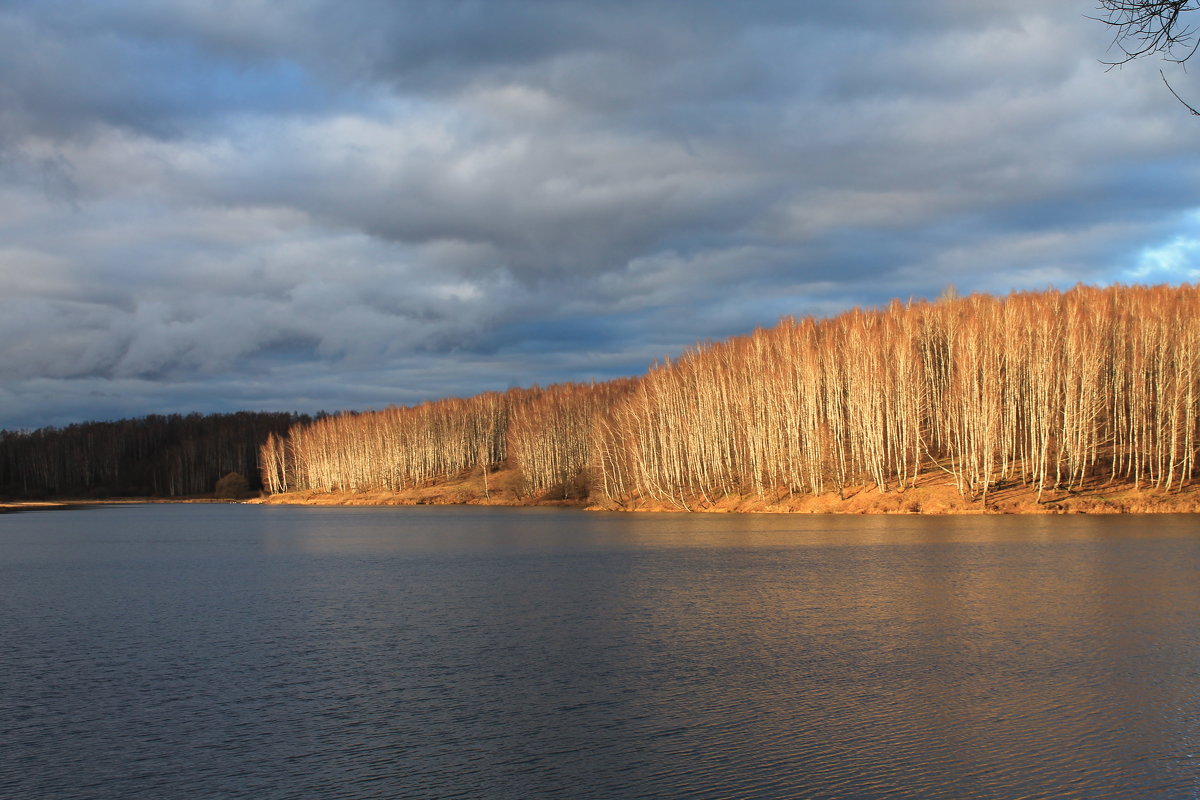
(239, 203)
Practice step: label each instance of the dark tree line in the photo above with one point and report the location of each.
(154, 456)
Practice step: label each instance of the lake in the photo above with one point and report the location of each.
(228, 651)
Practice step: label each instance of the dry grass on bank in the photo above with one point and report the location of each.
(941, 498)
(503, 488)
(934, 494)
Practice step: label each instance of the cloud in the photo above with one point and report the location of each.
(1174, 259)
(351, 204)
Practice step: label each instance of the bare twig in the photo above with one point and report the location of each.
(1186, 104)
(1142, 27)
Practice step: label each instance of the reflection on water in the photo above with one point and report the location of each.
(459, 528)
(439, 652)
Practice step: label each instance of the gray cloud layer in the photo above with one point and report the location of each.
(241, 204)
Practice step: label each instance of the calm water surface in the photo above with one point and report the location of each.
(274, 652)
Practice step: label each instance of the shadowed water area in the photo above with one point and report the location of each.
(275, 652)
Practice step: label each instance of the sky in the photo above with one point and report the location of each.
(222, 205)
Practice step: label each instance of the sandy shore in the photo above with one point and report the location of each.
(933, 495)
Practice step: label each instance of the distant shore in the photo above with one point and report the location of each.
(34, 505)
(7, 506)
(933, 495)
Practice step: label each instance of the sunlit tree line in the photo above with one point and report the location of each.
(546, 430)
(1048, 390)
(550, 436)
(389, 449)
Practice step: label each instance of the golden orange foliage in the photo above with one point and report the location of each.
(1046, 390)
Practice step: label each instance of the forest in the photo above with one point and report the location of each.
(154, 456)
(1049, 390)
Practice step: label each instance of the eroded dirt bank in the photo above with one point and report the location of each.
(933, 494)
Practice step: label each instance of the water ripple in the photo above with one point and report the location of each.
(988, 667)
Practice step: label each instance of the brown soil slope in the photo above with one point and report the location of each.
(933, 494)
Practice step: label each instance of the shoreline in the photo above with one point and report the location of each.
(58, 504)
(35, 505)
(931, 496)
